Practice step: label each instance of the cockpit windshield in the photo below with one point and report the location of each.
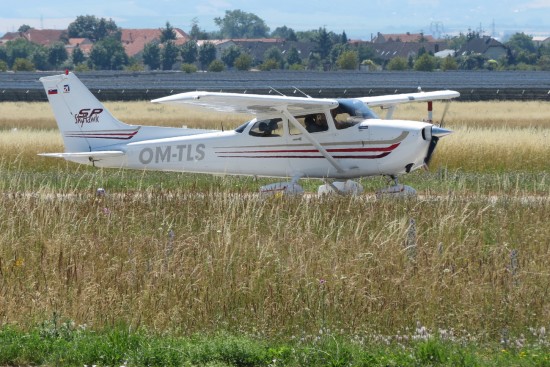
(241, 128)
(356, 108)
(350, 112)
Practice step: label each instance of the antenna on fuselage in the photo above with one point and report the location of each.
(276, 91)
(298, 89)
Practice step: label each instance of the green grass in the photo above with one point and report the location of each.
(65, 344)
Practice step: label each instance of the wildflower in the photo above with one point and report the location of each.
(106, 211)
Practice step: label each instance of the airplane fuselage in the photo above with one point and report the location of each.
(372, 147)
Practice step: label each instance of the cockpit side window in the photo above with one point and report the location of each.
(267, 128)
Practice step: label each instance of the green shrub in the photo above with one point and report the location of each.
(216, 66)
(189, 68)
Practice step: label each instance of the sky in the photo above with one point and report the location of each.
(359, 18)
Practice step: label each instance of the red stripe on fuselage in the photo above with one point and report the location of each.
(334, 150)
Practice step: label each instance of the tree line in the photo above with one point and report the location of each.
(331, 51)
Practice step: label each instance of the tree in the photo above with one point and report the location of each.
(230, 54)
(544, 63)
(285, 33)
(270, 64)
(425, 62)
(449, 63)
(344, 39)
(151, 55)
(324, 43)
(523, 49)
(366, 52)
(207, 54)
(167, 33)
(456, 42)
(314, 61)
(348, 60)
(24, 28)
(20, 48)
(274, 53)
(243, 62)
(307, 36)
(293, 56)
(108, 54)
(521, 42)
(472, 62)
(189, 52)
(4, 54)
(196, 33)
(57, 54)
(240, 24)
(397, 64)
(39, 59)
(88, 26)
(78, 56)
(169, 55)
(21, 64)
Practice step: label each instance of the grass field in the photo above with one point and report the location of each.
(173, 255)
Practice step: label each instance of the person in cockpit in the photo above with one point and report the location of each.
(316, 123)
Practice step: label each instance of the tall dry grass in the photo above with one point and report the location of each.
(182, 260)
(179, 261)
(482, 149)
(484, 114)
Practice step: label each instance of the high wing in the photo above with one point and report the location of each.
(394, 99)
(254, 104)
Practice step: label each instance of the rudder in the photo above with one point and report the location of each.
(84, 122)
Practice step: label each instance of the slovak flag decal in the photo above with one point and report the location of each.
(52, 91)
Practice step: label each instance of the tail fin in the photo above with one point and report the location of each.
(84, 122)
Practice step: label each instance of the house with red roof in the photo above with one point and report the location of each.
(134, 40)
(44, 37)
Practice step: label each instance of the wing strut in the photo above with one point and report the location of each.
(312, 140)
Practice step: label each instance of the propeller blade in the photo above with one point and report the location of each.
(431, 148)
(447, 105)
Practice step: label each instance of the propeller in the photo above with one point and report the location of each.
(447, 105)
(436, 133)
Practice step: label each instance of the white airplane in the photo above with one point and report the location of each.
(335, 140)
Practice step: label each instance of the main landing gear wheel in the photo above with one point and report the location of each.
(348, 187)
(396, 190)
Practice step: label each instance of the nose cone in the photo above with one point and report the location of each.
(440, 132)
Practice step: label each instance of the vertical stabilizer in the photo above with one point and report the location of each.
(84, 122)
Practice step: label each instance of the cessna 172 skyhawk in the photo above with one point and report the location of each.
(291, 137)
